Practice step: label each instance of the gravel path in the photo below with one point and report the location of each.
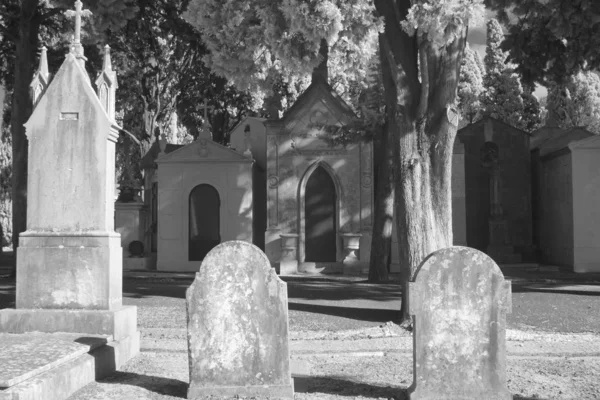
(368, 363)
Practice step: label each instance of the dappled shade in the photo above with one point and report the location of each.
(319, 206)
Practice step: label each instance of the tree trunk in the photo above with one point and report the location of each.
(26, 47)
(420, 82)
(381, 242)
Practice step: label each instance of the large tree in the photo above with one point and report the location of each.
(420, 51)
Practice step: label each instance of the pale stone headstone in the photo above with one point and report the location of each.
(238, 326)
(459, 300)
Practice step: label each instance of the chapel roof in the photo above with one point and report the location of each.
(148, 161)
(324, 90)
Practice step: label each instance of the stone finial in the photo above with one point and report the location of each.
(205, 131)
(107, 62)
(107, 84)
(41, 79)
(173, 127)
(320, 73)
(488, 130)
(76, 47)
(162, 145)
(247, 142)
(551, 120)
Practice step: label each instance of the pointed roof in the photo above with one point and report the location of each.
(41, 78)
(323, 89)
(148, 160)
(71, 74)
(318, 92)
(107, 74)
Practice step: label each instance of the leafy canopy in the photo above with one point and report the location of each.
(552, 39)
(255, 43)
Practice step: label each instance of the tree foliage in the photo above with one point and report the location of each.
(553, 39)
(503, 96)
(576, 102)
(255, 44)
(470, 86)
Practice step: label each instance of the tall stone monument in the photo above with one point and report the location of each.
(69, 260)
(459, 300)
(238, 326)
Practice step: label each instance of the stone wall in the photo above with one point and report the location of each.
(287, 177)
(233, 182)
(515, 183)
(586, 209)
(556, 210)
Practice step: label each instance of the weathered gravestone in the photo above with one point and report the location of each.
(238, 326)
(459, 300)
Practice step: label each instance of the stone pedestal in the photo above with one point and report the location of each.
(130, 222)
(86, 271)
(351, 246)
(499, 248)
(289, 254)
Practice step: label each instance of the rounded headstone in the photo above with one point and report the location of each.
(459, 300)
(238, 325)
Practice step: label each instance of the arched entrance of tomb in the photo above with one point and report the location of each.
(204, 221)
(318, 216)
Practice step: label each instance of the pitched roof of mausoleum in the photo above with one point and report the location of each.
(319, 91)
(477, 127)
(203, 150)
(147, 162)
(562, 139)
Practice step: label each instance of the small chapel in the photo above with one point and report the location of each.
(308, 205)
(280, 185)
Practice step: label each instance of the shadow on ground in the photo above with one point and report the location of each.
(156, 384)
(362, 314)
(343, 387)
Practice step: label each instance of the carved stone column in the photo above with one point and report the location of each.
(499, 246)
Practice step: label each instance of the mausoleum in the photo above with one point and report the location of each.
(566, 169)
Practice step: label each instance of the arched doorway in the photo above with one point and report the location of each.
(319, 215)
(204, 221)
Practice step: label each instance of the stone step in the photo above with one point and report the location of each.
(53, 366)
(46, 366)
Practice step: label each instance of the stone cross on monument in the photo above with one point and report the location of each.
(79, 12)
(205, 129)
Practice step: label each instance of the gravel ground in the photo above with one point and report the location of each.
(368, 369)
(553, 341)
